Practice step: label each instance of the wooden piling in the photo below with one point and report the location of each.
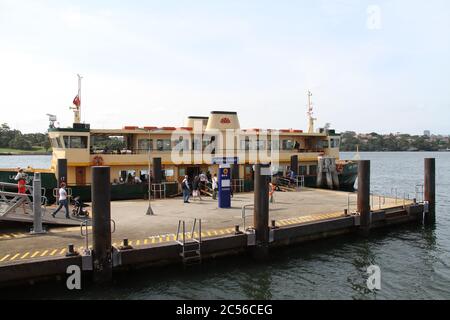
(101, 224)
(363, 200)
(261, 211)
(430, 188)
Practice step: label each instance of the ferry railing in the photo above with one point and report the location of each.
(419, 192)
(300, 181)
(237, 184)
(160, 189)
(394, 191)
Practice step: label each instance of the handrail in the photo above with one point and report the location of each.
(243, 212)
(193, 228)
(84, 224)
(301, 181)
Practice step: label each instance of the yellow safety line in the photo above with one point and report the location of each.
(53, 252)
(44, 253)
(14, 257)
(34, 254)
(25, 255)
(4, 258)
(62, 251)
(138, 242)
(153, 240)
(168, 238)
(145, 241)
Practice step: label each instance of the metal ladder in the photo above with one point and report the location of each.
(190, 248)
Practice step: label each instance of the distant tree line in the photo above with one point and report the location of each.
(393, 142)
(14, 139)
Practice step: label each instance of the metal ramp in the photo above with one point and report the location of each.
(20, 207)
(191, 253)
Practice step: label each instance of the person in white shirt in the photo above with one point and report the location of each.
(186, 189)
(215, 186)
(63, 201)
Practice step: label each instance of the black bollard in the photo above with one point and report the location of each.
(430, 188)
(363, 202)
(261, 211)
(101, 224)
(157, 170)
(294, 164)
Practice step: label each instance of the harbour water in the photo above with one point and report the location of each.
(414, 260)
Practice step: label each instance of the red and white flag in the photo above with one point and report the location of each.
(77, 101)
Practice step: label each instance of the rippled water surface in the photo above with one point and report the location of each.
(414, 260)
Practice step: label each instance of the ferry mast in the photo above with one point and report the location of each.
(77, 103)
(310, 114)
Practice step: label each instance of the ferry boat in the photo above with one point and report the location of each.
(136, 153)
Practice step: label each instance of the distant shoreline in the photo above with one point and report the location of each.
(49, 153)
(25, 154)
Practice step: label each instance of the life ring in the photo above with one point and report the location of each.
(97, 160)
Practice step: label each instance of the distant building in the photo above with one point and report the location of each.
(427, 133)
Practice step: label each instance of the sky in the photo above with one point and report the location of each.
(380, 66)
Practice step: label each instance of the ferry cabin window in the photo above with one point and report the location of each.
(145, 144)
(245, 144)
(56, 143)
(75, 142)
(261, 145)
(302, 170)
(334, 143)
(324, 144)
(287, 144)
(181, 144)
(273, 144)
(313, 170)
(163, 145)
(197, 145)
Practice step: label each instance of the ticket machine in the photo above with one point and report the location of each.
(224, 186)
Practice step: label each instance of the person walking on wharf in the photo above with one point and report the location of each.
(21, 185)
(21, 181)
(196, 188)
(186, 189)
(63, 201)
(215, 186)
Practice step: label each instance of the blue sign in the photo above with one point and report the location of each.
(225, 160)
(224, 186)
